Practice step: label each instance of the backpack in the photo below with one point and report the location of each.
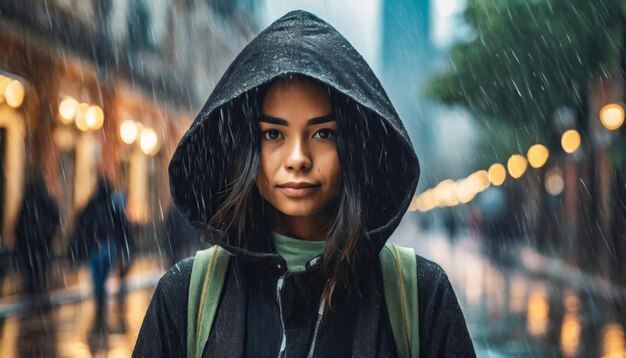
(399, 271)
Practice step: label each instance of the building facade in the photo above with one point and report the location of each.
(107, 88)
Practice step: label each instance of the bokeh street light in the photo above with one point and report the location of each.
(538, 155)
(538, 310)
(414, 204)
(128, 131)
(517, 166)
(613, 341)
(14, 94)
(4, 83)
(67, 110)
(466, 190)
(445, 194)
(497, 174)
(81, 117)
(148, 141)
(481, 180)
(612, 116)
(426, 201)
(554, 182)
(570, 141)
(94, 117)
(85, 116)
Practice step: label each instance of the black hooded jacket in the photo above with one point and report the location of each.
(248, 319)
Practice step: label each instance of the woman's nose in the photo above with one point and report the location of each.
(299, 157)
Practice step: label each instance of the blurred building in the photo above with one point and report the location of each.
(415, 43)
(407, 58)
(93, 87)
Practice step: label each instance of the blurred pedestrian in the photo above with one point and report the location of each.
(451, 224)
(125, 261)
(101, 236)
(475, 220)
(494, 205)
(37, 222)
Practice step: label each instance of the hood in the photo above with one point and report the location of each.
(298, 43)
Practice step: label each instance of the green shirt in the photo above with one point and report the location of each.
(296, 252)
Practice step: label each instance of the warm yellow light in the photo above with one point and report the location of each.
(14, 94)
(538, 155)
(570, 141)
(517, 165)
(538, 310)
(612, 116)
(570, 334)
(466, 189)
(570, 329)
(128, 131)
(613, 341)
(4, 83)
(67, 110)
(554, 182)
(480, 180)
(81, 117)
(414, 204)
(94, 117)
(119, 352)
(148, 141)
(445, 194)
(64, 137)
(497, 174)
(421, 205)
(427, 201)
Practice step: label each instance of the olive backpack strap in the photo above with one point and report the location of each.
(399, 270)
(207, 279)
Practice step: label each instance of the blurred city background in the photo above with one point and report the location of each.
(515, 108)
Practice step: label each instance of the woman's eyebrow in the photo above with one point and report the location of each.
(274, 120)
(310, 122)
(320, 120)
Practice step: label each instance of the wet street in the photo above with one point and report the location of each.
(65, 330)
(523, 305)
(495, 129)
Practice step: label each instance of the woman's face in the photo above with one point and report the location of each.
(299, 172)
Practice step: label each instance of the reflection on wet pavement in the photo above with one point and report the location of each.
(511, 312)
(514, 312)
(66, 330)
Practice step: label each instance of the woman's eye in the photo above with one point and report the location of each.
(271, 134)
(325, 134)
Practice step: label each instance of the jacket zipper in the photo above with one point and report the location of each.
(320, 315)
(283, 343)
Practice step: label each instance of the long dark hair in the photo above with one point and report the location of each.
(347, 247)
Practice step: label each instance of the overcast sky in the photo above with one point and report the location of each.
(447, 22)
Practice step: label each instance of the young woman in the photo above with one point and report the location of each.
(300, 168)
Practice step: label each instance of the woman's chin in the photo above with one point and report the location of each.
(298, 210)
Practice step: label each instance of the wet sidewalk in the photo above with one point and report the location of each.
(60, 324)
(523, 303)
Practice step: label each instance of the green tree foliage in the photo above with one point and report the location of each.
(528, 57)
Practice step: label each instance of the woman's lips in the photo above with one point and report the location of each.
(298, 192)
